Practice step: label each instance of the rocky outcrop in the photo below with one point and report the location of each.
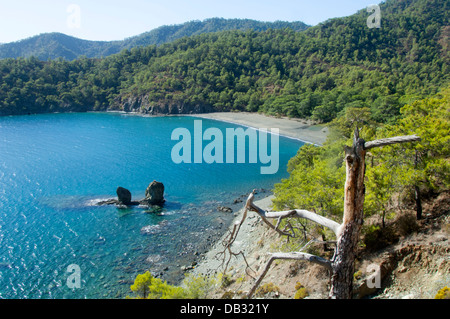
(141, 104)
(124, 195)
(154, 194)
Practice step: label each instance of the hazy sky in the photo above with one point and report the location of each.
(118, 19)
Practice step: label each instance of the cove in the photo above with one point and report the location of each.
(55, 167)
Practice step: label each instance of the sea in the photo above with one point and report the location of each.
(56, 242)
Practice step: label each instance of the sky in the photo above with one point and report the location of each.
(116, 20)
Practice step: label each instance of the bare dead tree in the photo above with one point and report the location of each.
(347, 233)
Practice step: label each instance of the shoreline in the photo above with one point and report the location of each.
(253, 229)
(246, 241)
(298, 129)
(305, 131)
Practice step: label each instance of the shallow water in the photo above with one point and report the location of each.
(55, 167)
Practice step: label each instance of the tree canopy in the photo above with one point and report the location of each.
(393, 173)
(316, 73)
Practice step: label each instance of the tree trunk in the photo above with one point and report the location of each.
(347, 233)
(417, 192)
(343, 261)
(418, 202)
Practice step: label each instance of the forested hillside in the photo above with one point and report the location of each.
(57, 45)
(316, 73)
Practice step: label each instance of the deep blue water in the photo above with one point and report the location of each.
(55, 167)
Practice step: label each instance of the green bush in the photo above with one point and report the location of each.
(301, 292)
(267, 288)
(198, 287)
(443, 293)
(148, 287)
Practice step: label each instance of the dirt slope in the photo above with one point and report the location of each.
(415, 266)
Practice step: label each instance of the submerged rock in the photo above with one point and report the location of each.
(225, 209)
(108, 202)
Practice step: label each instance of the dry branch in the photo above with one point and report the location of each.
(230, 239)
(300, 213)
(391, 140)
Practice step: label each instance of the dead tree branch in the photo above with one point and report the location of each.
(391, 140)
(300, 213)
(229, 240)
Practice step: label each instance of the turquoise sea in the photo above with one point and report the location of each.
(55, 167)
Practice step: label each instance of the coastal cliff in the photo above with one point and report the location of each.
(143, 105)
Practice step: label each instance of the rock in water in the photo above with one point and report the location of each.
(224, 209)
(154, 194)
(124, 195)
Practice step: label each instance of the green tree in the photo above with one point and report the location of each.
(316, 181)
(147, 287)
(420, 167)
(141, 286)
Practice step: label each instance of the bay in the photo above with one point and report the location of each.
(55, 167)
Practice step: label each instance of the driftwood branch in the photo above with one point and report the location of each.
(391, 140)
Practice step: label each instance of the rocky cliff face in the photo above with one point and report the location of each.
(141, 104)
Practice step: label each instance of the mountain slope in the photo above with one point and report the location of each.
(57, 45)
(317, 73)
(54, 45)
(170, 33)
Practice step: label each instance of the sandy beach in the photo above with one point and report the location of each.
(300, 129)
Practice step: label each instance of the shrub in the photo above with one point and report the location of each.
(406, 224)
(148, 287)
(267, 288)
(301, 292)
(443, 293)
(198, 287)
(225, 280)
(376, 238)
